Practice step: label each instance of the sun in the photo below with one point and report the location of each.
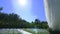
(22, 2)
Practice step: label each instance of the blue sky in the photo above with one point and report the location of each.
(31, 10)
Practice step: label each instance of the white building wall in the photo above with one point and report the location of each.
(52, 10)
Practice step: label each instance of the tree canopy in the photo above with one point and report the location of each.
(15, 21)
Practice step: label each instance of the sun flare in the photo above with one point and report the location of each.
(22, 2)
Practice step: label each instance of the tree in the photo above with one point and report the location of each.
(44, 25)
(1, 8)
(13, 21)
(37, 21)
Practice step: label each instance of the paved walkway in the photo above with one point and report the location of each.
(23, 32)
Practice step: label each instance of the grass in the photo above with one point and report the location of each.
(9, 31)
(14, 31)
(29, 31)
(43, 33)
(39, 32)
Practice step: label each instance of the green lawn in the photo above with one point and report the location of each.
(39, 32)
(9, 31)
(15, 31)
